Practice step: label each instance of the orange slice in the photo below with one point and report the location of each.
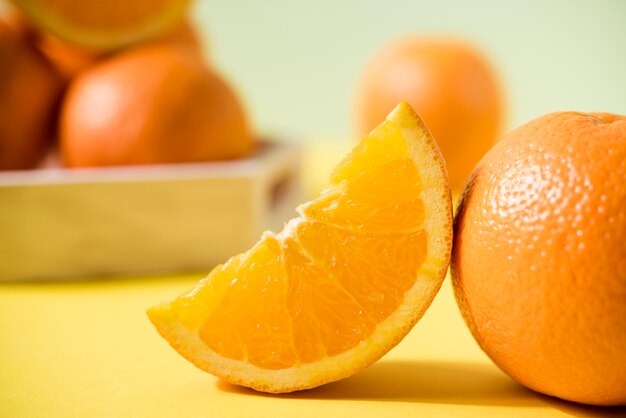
(341, 285)
(104, 25)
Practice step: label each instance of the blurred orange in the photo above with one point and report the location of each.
(184, 34)
(69, 59)
(449, 84)
(18, 23)
(29, 94)
(104, 25)
(152, 104)
(66, 59)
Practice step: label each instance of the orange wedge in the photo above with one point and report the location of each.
(341, 285)
(104, 25)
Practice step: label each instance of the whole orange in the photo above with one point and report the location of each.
(29, 94)
(152, 104)
(448, 83)
(539, 259)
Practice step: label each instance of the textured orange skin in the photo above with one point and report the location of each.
(539, 259)
(154, 104)
(449, 85)
(29, 94)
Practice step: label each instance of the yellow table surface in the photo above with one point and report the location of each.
(87, 350)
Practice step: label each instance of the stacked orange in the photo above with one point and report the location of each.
(95, 97)
(29, 92)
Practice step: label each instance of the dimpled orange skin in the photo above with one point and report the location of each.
(150, 105)
(539, 259)
(449, 84)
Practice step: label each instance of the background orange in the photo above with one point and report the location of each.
(449, 83)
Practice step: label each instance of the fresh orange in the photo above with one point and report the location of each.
(29, 93)
(539, 260)
(152, 104)
(68, 60)
(341, 285)
(101, 24)
(449, 84)
(184, 34)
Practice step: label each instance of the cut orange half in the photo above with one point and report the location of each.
(104, 25)
(341, 285)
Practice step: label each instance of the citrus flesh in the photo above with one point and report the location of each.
(343, 282)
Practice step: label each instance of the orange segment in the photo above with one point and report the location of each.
(340, 286)
(375, 269)
(384, 144)
(383, 198)
(251, 322)
(318, 303)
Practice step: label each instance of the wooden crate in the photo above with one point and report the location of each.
(63, 224)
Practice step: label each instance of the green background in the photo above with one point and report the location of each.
(296, 63)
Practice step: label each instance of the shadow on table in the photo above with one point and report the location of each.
(436, 382)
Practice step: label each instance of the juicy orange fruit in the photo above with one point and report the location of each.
(342, 283)
(104, 25)
(117, 113)
(539, 259)
(450, 85)
(29, 93)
